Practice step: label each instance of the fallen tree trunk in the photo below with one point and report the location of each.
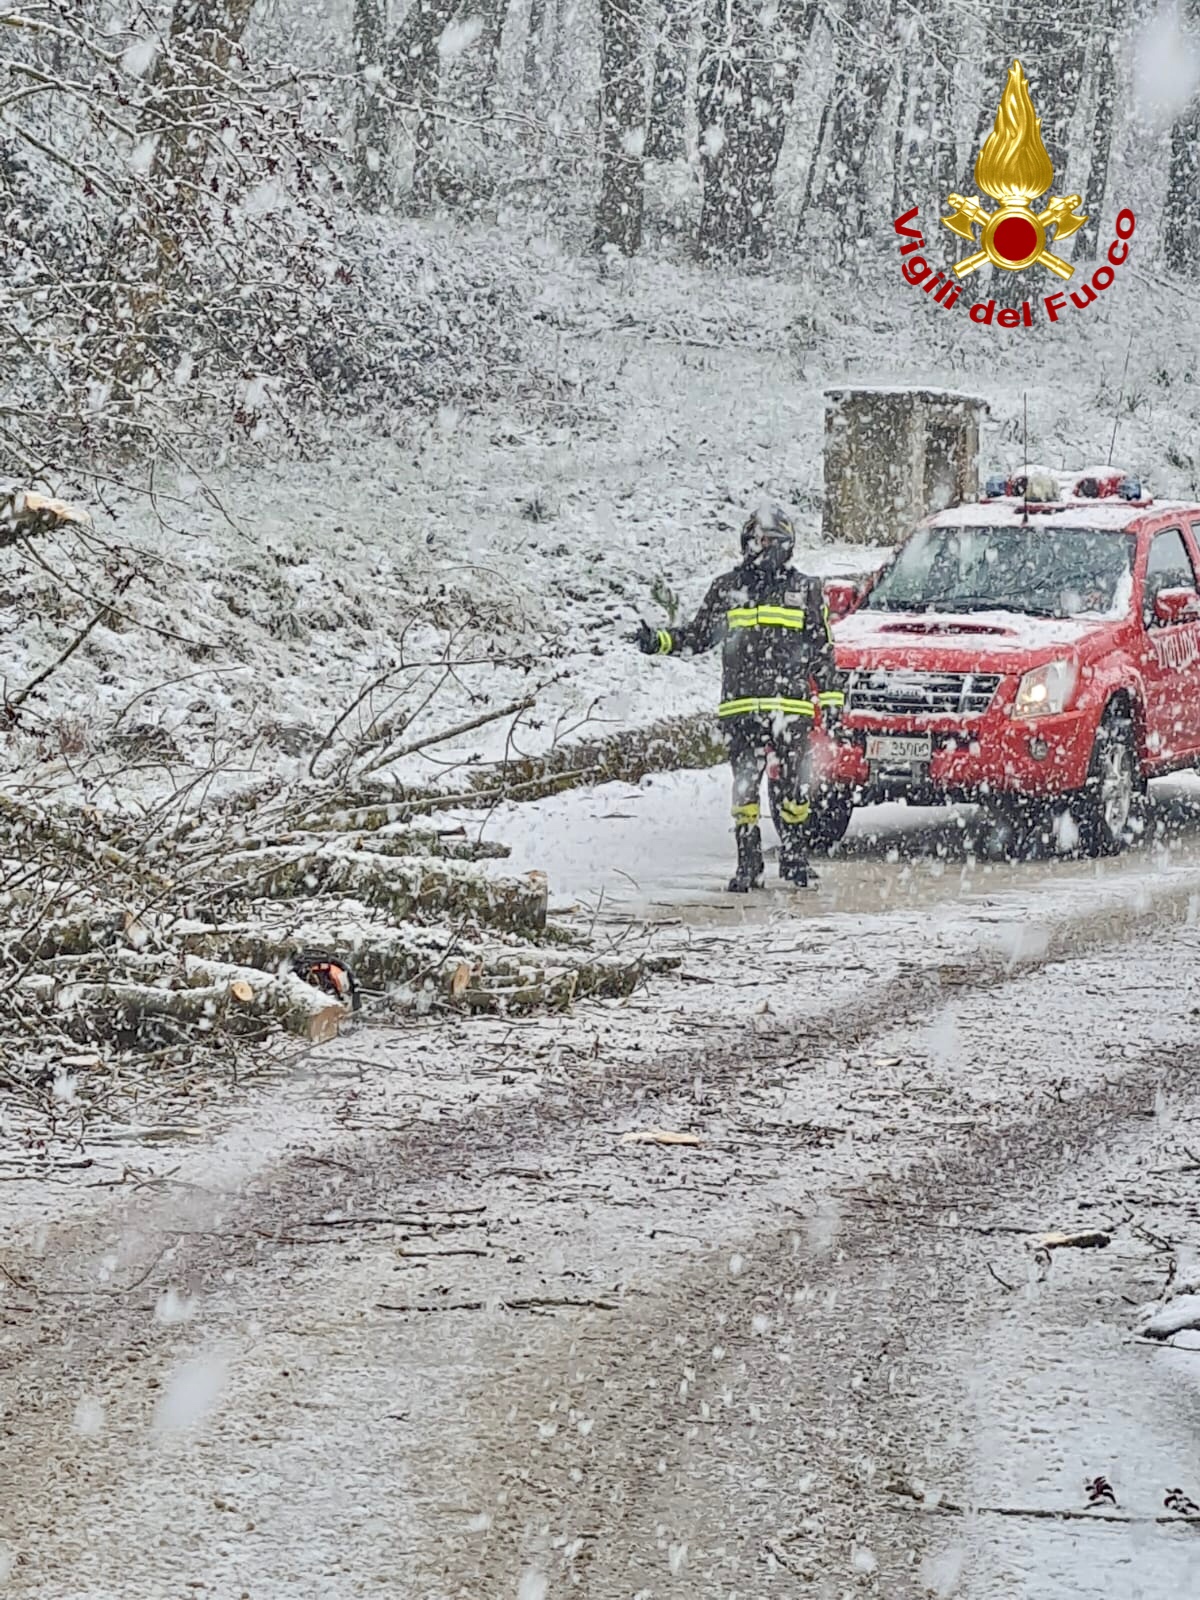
(29, 828)
(111, 964)
(464, 971)
(64, 936)
(132, 1013)
(381, 837)
(406, 888)
(625, 757)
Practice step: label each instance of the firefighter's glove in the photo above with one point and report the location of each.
(646, 639)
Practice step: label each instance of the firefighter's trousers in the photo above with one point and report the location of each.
(749, 738)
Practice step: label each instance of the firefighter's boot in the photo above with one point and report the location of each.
(749, 860)
(794, 866)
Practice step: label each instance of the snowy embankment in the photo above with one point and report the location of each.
(282, 615)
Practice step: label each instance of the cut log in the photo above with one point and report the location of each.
(64, 936)
(407, 889)
(661, 1136)
(111, 965)
(385, 957)
(297, 1007)
(133, 1013)
(343, 816)
(75, 839)
(212, 999)
(23, 511)
(554, 992)
(1091, 1239)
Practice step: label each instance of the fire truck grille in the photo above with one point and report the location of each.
(922, 694)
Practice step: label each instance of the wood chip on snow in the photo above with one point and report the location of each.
(1090, 1240)
(660, 1136)
(461, 979)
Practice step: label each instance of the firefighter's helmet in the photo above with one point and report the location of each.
(769, 535)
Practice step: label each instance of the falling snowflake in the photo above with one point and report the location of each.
(458, 37)
(532, 1585)
(173, 1307)
(139, 57)
(88, 1420)
(193, 1391)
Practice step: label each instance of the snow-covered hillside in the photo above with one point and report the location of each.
(477, 553)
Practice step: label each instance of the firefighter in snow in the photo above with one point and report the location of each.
(778, 669)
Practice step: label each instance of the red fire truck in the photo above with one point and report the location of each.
(1039, 655)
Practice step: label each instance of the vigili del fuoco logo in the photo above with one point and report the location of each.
(1014, 169)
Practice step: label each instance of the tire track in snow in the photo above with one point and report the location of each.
(619, 1217)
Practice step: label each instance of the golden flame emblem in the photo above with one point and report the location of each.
(1014, 168)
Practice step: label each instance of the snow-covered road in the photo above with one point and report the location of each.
(416, 1320)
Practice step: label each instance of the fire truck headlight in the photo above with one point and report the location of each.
(1045, 691)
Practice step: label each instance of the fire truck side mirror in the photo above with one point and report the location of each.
(842, 596)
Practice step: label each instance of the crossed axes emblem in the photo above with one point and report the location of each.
(1014, 222)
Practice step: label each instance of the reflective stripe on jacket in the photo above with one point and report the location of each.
(773, 628)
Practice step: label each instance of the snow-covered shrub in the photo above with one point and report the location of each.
(181, 268)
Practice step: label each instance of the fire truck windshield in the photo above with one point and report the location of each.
(1049, 572)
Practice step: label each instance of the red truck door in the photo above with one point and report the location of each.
(1170, 651)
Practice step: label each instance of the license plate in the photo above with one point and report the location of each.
(896, 749)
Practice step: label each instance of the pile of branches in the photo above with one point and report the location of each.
(175, 947)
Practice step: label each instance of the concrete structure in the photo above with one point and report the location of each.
(894, 455)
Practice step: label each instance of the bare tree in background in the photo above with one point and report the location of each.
(623, 127)
(866, 50)
(417, 74)
(1182, 231)
(493, 15)
(1182, 223)
(1101, 72)
(771, 89)
(180, 119)
(372, 115)
(1059, 67)
(746, 83)
(719, 96)
(926, 158)
(668, 100)
(535, 48)
(172, 252)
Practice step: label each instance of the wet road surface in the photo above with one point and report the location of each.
(418, 1322)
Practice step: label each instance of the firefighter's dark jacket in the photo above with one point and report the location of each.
(777, 647)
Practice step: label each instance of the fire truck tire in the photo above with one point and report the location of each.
(1008, 831)
(1106, 808)
(832, 808)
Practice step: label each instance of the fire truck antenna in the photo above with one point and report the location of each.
(1112, 444)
